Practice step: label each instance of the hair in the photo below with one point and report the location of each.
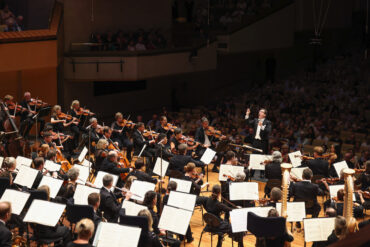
(129, 181)
(55, 109)
(273, 213)
(111, 154)
(204, 119)
(177, 131)
(230, 155)
(140, 124)
(139, 163)
(75, 102)
(189, 167)
(73, 173)
(146, 213)
(216, 190)
(319, 150)
(182, 148)
(106, 129)
(5, 208)
(172, 186)
(275, 194)
(340, 194)
(240, 177)
(85, 228)
(307, 174)
(118, 115)
(107, 180)
(276, 157)
(51, 154)
(101, 143)
(44, 149)
(161, 136)
(93, 119)
(340, 227)
(38, 162)
(330, 212)
(9, 162)
(162, 118)
(149, 198)
(93, 199)
(265, 111)
(367, 166)
(8, 97)
(46, 189)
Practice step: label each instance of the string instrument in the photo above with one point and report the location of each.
(263, 201)
(150, 134)
(18, 240)
(357, 171)
(348, 203)
(37, 103)
(16, 107)
(126, 122)
(329, 180)
(65, 164)
(211, 131)
(285, 169)
(189, 141)
(169, 126)
(60, 136)
(123, 162)
(64, 116)
(228, 202)
(366, 194)
(231, 178)
(84, 112)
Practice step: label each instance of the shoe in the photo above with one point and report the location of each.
(190, 240)
(215, 169)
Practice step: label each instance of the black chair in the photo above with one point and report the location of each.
(75, 213)
(212, 227)
(137, 221)
(266, 227)
(4, 184)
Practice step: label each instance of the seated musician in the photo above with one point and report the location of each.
(101, 152)
(70, 188)
(275, 196)
(163, 129)
(161, 147)
(178, 161)
(107, 133)
(109, 206)
(5, 234)
(85, 229)
(340, 231)
(140, 173)
(318, 165)
(111, 165)
(364, 180)
(38, 164)
(273, 170)
(8, 169)
(152, 238)
(338, 204)
(139, 142)
(43, 151)
(94, 201)
(172, 186)
(329, 212)
(59, 125)
(196, 179)
(48, 139)
(119, 134)
(27, 116)
(176, 140)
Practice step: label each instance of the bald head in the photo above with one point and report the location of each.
(112, 156)
(330, 212)
(5, 211)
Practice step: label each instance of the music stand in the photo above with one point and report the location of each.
(266, 226)
(137, 221)
(43, 112)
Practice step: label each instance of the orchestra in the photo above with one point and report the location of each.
(129, 151)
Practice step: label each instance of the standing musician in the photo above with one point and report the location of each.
(119, 135)
(261, 129)
(27, 115)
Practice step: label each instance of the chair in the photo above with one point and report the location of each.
(212, 225)
(75, 213)
(4, 184)
(271, 183)
(265, 227)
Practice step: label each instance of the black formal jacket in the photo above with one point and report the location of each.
(199, 136)
(213, 206)
(5, 236)
(273, 171)
(111, 167)
(264, 134)
(166, 152)
(304, 190)
(318, 166)
(142, 176)
(138, 141)
(178, 162)
(109, 204)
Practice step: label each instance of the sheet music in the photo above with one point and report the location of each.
(99, 179)
(87, 163)
(157, 167)
(82, 193)
(182, 200)
(26, 176)
(53, 183)
(115, 235)
(333, 189)
(339, 166)
(239, 217)
(175, 219)
(82, 155)
(296, 211)
(20, 160)
(243, 191)
(318, 229)
(140, 188)
(131, 208)
(44, 212)
(84, 173)
(256, 161)
(17, 198)
(51, 166)
(208, 156)
(182, 185)
(297, 172)
(1, 161)
(229, 170)
(295, 158)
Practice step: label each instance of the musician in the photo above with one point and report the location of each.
(163, 128)
(109, 205)
(348, 159)
(85, 230)
(261, 129)
(5, 234)
(196, 179)
(8, 169)
(78, 127)
(285, 153)
(172, 186)
(101, 152)
(275, 196)
(340, 230)
(338, 204)
(38, 165)
(273, 169)
(119, 134)
(178, 161)
(110, 164)
(27, 116)
(161, 147)
(59, 125)
(48, 139)
(70, 188)
(94, 201)
(140, 173)
(364, 180)
(139, 142)
(151, 238)
(318, 165)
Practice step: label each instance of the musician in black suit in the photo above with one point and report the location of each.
(319, 166)
(161, 148)
(110, 164)
(39, 165)
(140, 174)
(5, 234)
(180, 160)
(91, 135)
(261, 129)
(119, 134)
(109, 206)
(139, 141)
(94, 201)
(273, 169)
(27, 115)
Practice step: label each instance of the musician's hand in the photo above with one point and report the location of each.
(201, 176)
(152, 141)
(55, 175)
(13, 117)
(127, 195)
(45, 172)
(120, 131)
(131, 169)
(162, 232)
(260, 123)
(116, 143)
(248, 111)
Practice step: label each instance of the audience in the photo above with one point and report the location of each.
(9, 22)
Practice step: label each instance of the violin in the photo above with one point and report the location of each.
(357, 171)
(65, 116)
(150, 134)
(127, 123)
(330, 180)
(365, 194)
(169, 126)
(262, 201)
(84, 112)
(231, 178)
(37, 103)
(211, 131)
(16, 107)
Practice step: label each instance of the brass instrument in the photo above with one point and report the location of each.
(285, 169)
(348, 202)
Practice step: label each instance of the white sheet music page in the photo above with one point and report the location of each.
(333, 189)
(182, 200)
(99, 179)
(318, 229)
(339, 166)
(44, 212)
(229, 170)
(256, 161)
(17, 198)
(84, 173)
(243, 191)
(132, 208)
(85, 162)
(20, 160)
(175, 219)
(82, 155)
(139, 188)
(297, 172)
(296, 211)
(1, 161)
(82, 193)
(115, 235)
(208, 156)
(26, 176)
(238, 217)
(182, 185)
(51, 166)
(295, 158)
(157, 167)
(53, 183)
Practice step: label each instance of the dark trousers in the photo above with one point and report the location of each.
(26, 126)
(123, 141)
